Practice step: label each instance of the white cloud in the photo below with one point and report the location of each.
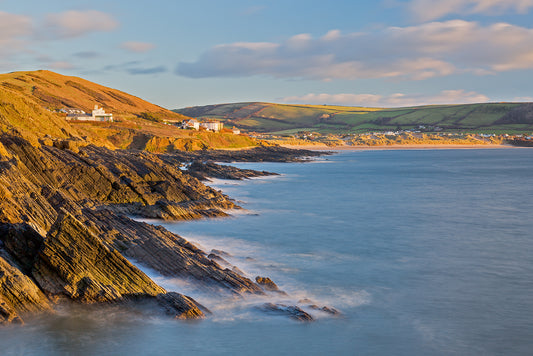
(13, 30)
(415, 53)
(523, 99)
(75, 23)
(139, 47)
(425, 10)
(395, 100)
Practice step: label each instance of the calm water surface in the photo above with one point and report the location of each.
(426, 252)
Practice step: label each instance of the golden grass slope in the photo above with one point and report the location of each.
(23, 116)
(29, 101)
(55, 91)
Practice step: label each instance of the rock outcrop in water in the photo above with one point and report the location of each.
(256, 154)
(209, 169)
(291, 311)
(268, 285)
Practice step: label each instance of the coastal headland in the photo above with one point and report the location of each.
(69, 193)
(72, 191)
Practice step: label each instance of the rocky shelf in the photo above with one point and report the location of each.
(66, 234)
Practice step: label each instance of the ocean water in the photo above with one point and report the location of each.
(425, 252)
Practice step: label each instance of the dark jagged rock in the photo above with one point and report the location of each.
(256, 154)
(18, 293)
(165, 252)
(291, 311)
(23, 242)
(205, 170)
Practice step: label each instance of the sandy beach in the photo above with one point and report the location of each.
(395, 147)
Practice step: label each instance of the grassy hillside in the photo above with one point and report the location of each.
(54, 91)
(30, 101)
(279, 118)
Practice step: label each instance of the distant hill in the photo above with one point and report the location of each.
(282, 118)
(30, 101)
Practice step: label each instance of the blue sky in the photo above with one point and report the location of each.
(362, 53)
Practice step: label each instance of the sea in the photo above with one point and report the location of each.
(423, 252)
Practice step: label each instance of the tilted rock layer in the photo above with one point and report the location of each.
(64, 229)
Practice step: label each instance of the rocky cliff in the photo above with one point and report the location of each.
(65, 231)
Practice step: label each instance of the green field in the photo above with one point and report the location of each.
(285, 119)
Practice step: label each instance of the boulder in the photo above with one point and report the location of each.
(180, 306)
(291, 311)
(325, 309)
(268, 285)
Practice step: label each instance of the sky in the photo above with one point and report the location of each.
(381, 53)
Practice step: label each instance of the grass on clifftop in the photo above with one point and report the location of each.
(30, 102)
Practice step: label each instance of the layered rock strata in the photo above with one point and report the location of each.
(65, 233)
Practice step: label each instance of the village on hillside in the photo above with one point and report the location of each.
(210, 125)
(98, 114)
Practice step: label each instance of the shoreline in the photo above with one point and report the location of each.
(398, 147)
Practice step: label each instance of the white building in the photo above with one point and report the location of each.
(212, 125)
(98, 114)
(191, 124)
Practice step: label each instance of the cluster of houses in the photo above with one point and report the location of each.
(210, 125)
(98, 114)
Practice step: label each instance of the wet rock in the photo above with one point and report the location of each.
(268, 285)
(218, 260)
(181, 307)
(221, 253)
(325, 309)
(237, 270)
(305, 301)
(291, 311)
